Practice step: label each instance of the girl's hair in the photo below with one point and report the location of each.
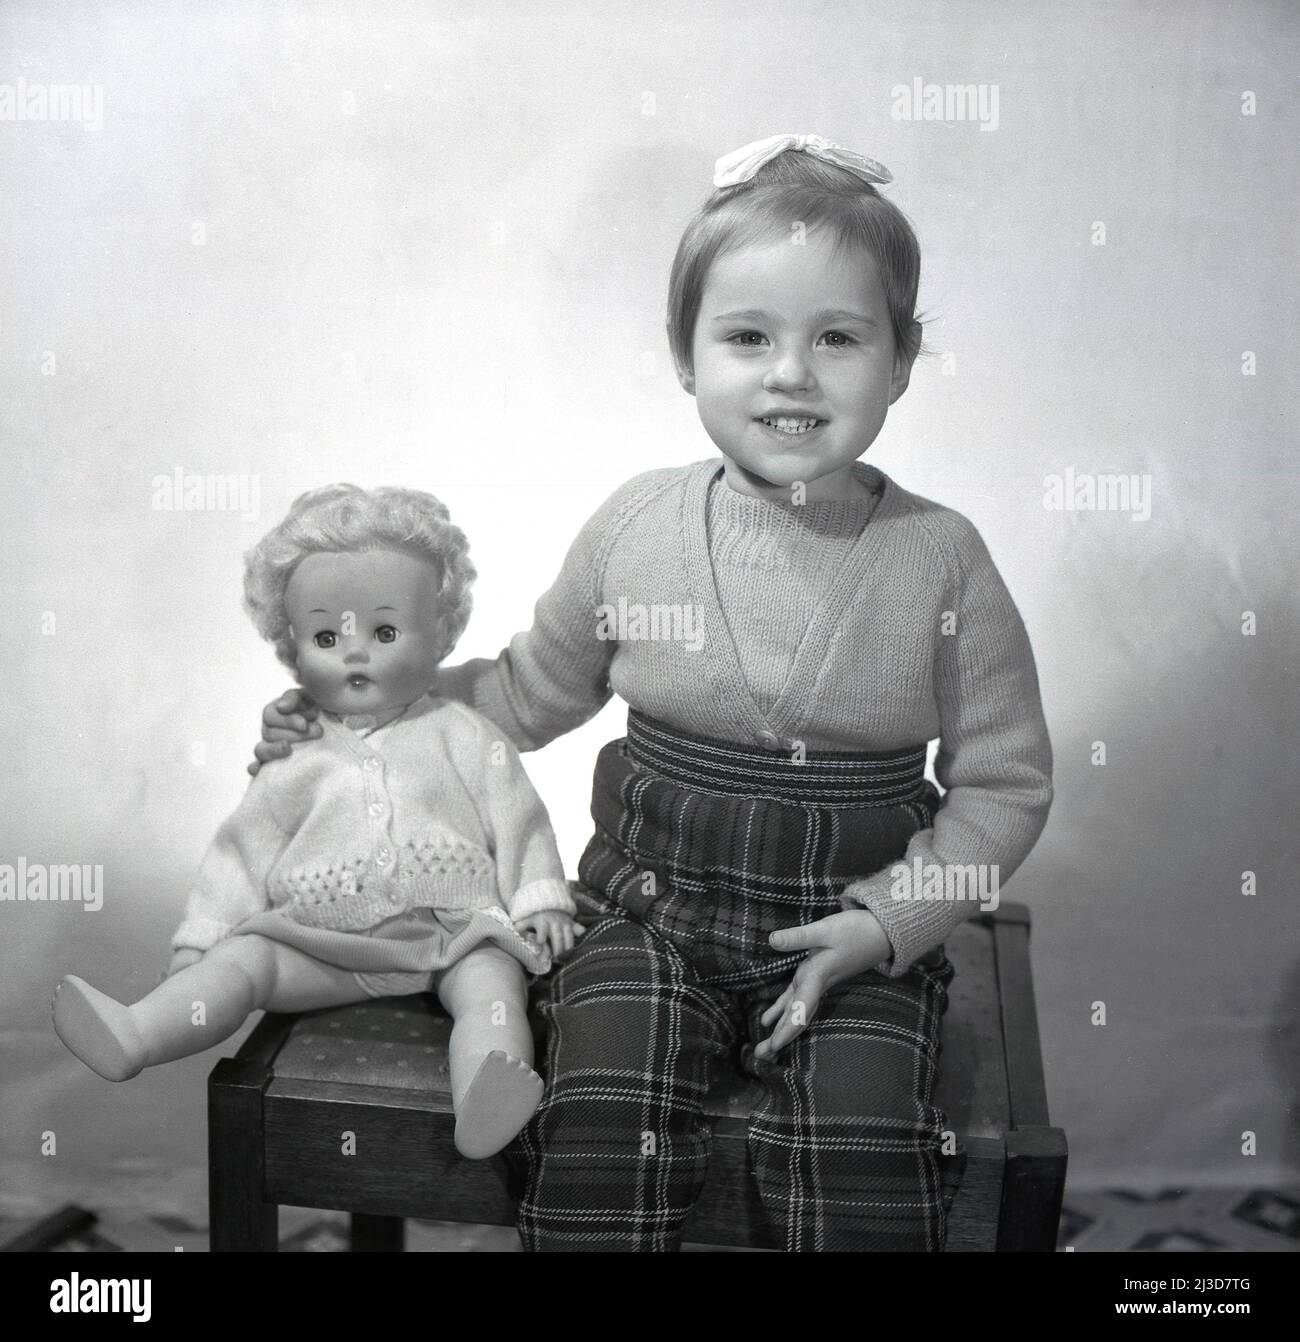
(796, 187)
(344, 519)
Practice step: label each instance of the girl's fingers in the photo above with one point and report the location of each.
(804, 938)
(804, 1000)
(774, 1011)
(295, 700)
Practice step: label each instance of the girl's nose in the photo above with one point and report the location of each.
(788, 371)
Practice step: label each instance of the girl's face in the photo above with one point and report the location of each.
(366, 628)
(794, 365)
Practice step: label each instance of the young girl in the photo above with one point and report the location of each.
(748, 827)
(404, 851)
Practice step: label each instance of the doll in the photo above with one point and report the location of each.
(404, 851)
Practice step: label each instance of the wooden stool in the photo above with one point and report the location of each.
(349, 1109)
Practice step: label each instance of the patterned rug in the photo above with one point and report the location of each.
(1177, 1220)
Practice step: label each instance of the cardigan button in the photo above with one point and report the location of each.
(382, 857)
(371, 764)
(770, 739)
(376, 808)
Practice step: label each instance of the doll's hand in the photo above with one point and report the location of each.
(840, 947)
(183, 959)
(288, 720)
(551, 928)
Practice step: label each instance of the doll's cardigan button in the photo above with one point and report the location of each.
(770, 739)
(376, 808)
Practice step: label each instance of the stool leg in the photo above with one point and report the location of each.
(1033, 1188)
(238, 1218)
(377, 1234)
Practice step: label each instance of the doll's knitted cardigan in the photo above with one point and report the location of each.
(433, 811)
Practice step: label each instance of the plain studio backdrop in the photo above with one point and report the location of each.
(429, 245)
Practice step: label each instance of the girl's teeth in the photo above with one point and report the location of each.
(790, 425)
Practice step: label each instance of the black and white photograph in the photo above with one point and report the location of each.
(650, 627)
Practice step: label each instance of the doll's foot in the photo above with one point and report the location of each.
(502, 1097)
(98, 1029)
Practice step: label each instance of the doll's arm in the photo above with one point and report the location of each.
(994, 760)
(530, 874)
(231, 881)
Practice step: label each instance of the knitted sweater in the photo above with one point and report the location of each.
(915, 637)
(351, 834)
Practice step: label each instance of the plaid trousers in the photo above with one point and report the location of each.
(702, 849)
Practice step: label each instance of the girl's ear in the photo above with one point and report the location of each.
(903, 366)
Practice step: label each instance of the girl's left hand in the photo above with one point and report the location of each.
(840, 947)
(552, 928)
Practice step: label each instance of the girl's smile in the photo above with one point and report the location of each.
(794, 365)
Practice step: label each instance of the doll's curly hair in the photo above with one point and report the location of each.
(346, 519)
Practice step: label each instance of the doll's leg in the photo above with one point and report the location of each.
(195, 1008)
(494, 1089)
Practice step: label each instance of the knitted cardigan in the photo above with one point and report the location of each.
(916, 638)
(431, 811)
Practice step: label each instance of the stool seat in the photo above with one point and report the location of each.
(350, 1108)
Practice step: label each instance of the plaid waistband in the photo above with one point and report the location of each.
(818, 778)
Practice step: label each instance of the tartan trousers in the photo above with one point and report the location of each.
(702, 849)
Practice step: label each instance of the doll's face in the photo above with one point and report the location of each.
(366, 627)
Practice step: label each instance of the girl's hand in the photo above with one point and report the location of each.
(286, 721)
(183, 959)
(840, 947)
(551, 928)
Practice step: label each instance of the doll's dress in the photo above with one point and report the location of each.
(398, 954)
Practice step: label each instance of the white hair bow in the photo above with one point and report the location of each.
(741, 164)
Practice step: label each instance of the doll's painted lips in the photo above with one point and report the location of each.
(358, 682)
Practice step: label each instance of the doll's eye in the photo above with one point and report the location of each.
(386, 633)
(325, 639)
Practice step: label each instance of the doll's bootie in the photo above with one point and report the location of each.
(502, 1097)
(98, 1029)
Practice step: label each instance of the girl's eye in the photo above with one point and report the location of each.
(839, 339)
(386, 633)
(325, 639)
(746, 338)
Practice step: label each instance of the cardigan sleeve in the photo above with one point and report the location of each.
(553, 677)
(994, 762)
(530, 874)
(231, 882)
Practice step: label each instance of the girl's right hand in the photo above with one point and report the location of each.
(286, 721)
